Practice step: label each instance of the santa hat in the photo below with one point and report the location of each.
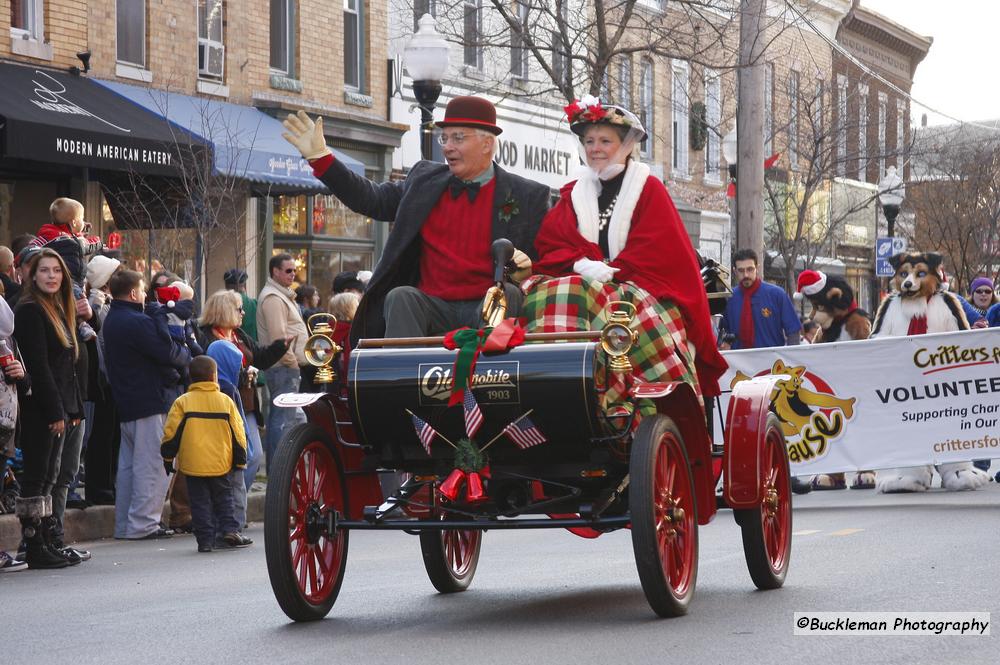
(811, 282)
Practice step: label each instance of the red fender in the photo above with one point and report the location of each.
(363, 487)
(746, 420)
(677, 400)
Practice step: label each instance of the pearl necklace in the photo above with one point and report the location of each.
(604, 216)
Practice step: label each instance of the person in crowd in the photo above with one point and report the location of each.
(236, 280)
(204, 434)
(65, 233)
(102, 434)
(44, 325)
(139, 351)
(982, 296)
(811, 332)
(229, 361)
(14, 380)
(605, 241)
(220, 320)
(8, 274)
(436, 266)
(355, 281)
(759, 315)
(307, 298)
(177, 300)
(279, 318)
(343, 306)
(22, 266)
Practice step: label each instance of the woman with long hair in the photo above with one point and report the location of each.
(221, 319)
(44, 327)
(615, 235)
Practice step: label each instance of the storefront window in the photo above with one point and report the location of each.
(333, 218)
(289, 213)
(149, 251)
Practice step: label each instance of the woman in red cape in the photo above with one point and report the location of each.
(615, 234)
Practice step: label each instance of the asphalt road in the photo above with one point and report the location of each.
(538, 597)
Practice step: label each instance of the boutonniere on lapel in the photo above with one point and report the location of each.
(508, 209)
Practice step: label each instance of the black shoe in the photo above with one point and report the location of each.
(184, 528)
(83, 554)
(159, 533)
(232, 541)
(800, 486)
(205, 548)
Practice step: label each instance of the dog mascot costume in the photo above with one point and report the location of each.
(841, 320)
(921, 305)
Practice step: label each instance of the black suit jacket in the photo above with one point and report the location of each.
(407, 203)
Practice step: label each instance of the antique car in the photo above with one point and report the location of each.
(545, 455)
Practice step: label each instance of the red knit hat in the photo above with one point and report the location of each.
(811, 282)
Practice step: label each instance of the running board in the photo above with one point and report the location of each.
(334, 523)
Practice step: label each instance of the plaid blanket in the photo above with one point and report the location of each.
(662, 352)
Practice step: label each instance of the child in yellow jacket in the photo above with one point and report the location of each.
(204, 434)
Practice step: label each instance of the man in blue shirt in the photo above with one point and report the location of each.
(759, 315)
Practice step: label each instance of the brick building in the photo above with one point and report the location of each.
(213, 74)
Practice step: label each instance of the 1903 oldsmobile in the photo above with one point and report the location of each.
(548, 456)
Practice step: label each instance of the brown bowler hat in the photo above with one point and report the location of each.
(470, 112)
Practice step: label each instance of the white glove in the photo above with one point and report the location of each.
(306, 135)
(597, 271)
(522, 266)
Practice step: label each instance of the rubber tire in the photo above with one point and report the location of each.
(660, 594)
(764, 574)
(440, 572)
(277, 547)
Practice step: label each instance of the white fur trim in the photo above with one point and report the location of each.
(584, 197)
(896, 322)
(817, 286)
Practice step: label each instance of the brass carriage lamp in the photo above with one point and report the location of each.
(617, 336)
(320, 349)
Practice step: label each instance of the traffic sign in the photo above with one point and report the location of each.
(884, 248)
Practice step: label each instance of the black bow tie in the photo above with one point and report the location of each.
(456, 185)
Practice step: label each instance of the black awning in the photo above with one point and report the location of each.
(51, 116)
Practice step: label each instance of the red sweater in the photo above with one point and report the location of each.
(455, 261)
(455, 258)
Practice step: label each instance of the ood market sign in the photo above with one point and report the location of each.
(544, 155)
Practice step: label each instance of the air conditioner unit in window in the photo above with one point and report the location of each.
(211, 58)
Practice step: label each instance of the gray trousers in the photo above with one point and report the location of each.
(141, 482)
(409, 312)
(68, 468)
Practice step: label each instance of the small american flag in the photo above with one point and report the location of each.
(524, 433)
(425, 432)
(473, 415)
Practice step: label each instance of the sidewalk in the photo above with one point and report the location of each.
(96, 522)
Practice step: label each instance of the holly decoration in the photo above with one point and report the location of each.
(468, 456)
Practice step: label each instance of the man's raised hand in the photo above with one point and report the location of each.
(306, 135)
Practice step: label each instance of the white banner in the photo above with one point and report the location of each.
(884, 403)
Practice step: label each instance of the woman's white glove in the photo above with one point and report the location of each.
(597, 271)
(306, 135)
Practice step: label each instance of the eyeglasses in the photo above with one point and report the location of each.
(983, 292)
(289, 271)
(240, 310)
(455, 139)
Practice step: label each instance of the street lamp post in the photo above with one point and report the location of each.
(730, 153)
(426, 60)
(891, 193)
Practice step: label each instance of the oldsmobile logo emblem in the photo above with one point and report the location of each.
(494, 382)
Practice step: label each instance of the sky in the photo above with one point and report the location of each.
(957, 76)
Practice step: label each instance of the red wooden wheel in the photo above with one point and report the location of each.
(450, 558)
(767, 530)
(664, 516)
(304, 562)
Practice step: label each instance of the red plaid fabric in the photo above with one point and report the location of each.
(662, 352)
